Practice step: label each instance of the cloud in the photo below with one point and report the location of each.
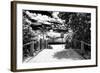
(44, 18)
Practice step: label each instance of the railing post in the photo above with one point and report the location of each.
(82, 47)
(39, 44)
(32, 49)
(46, 43)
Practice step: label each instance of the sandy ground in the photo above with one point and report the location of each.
(56, 54)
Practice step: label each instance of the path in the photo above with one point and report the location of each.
(56, 54)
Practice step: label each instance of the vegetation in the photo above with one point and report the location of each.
(80, 23)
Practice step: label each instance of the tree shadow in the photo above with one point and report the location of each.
(66, 54)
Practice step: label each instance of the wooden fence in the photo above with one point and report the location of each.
(33, 48)
(84, 51)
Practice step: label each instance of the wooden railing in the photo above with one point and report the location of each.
(33, 48)
(28, 50)
(28, 43)
(85, 53)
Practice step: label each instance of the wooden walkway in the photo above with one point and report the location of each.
(56, 53)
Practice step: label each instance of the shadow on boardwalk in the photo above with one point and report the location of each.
(67, 54)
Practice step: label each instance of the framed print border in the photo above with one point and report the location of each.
(14, 34)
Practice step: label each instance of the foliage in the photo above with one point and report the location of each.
(80, 23)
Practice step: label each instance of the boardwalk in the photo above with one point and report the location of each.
(56, 54)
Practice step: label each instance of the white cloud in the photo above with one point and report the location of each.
(45, 18)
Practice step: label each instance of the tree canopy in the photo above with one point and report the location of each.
(79, 22)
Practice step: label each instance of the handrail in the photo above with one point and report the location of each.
(83, 42)
(29, 43)
(73, 39)
(86, 43)
(85, 53)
